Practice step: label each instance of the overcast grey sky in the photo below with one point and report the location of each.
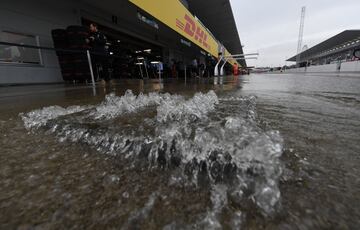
(271, 27)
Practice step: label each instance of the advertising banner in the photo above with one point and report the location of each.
(174, 14)
(232, 61)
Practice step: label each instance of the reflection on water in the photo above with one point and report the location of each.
(266, 152)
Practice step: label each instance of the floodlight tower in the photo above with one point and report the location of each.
(301, 34)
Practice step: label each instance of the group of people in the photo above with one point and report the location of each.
(193, 70)
(198, 70)
(100, 59)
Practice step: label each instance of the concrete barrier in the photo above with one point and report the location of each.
(353, 66)
(296, 70)
(344, 67)
(322, 68)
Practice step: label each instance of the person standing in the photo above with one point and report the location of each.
(98, 41)
(195, 67)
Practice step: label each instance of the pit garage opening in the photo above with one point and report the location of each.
(126, 56)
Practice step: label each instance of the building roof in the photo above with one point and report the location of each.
(330, 45)
(218, 17)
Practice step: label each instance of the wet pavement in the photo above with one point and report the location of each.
(275, 151)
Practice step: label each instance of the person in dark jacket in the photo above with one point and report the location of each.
(97, 41)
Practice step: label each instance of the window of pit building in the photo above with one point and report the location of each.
(15, 54)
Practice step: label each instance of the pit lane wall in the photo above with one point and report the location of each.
(344, 67)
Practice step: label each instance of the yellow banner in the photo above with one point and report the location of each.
(174, 14)
(232, 61)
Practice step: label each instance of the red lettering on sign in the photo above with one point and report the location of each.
(205, 42)
(190, 26)
(194, 31)
(199, 35)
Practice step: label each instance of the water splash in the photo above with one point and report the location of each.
(210, 141)
(38, 118)
(114, 106)
(219, 201)
(181, 110)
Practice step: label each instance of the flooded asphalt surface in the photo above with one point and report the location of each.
(257, 152)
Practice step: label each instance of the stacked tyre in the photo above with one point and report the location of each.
(60, 39)
(67, 67)
(74, 65)
(77, 36)
(61, 42)
(81, 67)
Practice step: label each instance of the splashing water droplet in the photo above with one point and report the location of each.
(200, 137)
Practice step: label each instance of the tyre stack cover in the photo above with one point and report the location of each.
(61, 41)
(74, 66)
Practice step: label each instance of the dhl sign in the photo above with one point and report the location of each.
(175, 15)
(188, 25)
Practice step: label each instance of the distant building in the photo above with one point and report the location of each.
(334, 50)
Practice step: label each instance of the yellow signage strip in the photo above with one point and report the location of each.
(231, 61)
(174, 14)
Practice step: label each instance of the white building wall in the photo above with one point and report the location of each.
(322, 68)
(353, 66)
(296, 70)
(35, 18)
(345, 67)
